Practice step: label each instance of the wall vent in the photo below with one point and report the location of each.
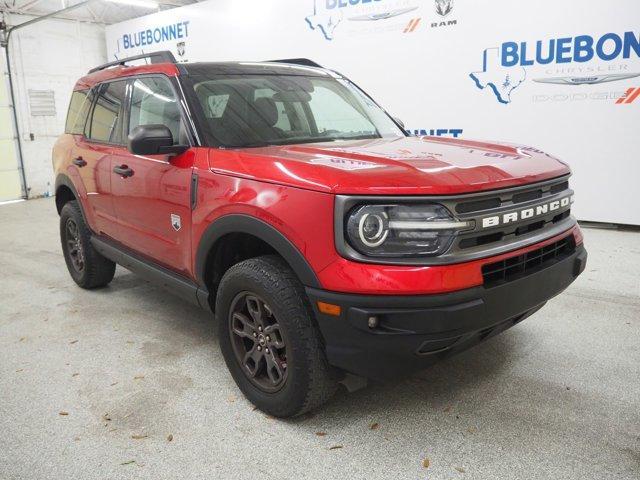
(42, 103)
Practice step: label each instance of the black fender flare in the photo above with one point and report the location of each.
(239, 223)
(64, 180)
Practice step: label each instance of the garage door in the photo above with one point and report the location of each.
(9, 173)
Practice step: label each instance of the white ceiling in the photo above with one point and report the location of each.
(97, 11)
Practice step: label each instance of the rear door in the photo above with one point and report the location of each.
(92, 153)
(152, 202)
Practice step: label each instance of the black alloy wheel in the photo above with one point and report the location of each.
(258, 342)
(74, 245)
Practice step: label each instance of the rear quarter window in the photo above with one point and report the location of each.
(77, 114)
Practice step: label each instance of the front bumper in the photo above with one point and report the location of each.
(413, 332)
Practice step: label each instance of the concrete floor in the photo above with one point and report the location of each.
(94, 384)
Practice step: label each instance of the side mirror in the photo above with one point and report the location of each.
(153, 140)
(399, 122)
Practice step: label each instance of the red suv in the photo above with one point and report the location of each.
(331, 245)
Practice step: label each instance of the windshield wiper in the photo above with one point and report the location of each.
(247, 145)
(293, 141)
(299, 140)
(370, 136)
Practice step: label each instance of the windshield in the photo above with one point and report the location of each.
(256, 110)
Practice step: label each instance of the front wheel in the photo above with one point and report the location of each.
(269, 339)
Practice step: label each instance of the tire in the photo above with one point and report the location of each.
(88, 268)
(263, 296)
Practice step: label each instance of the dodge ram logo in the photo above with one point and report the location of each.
(180, 47)
(444, 7)
(526, 213)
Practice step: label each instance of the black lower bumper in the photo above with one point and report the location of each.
(413, 332)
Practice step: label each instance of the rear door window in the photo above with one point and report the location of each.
(106, 121)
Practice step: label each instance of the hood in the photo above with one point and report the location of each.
(402, 166)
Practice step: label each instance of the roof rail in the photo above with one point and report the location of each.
(164, 56)
(298, 61)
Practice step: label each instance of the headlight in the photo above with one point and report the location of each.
(411, 230)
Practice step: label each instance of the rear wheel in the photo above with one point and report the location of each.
(269, 338)
(86, 266)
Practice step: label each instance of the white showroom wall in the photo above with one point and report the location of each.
(50, 55)
(543, 73)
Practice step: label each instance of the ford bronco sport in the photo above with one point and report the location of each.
(330, 244)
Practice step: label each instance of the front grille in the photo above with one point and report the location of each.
(474, 206)
(522, 265)
(500, 202)
(560, 187)
(511, 197)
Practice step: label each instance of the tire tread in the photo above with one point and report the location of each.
(99, 270)
(289, 292)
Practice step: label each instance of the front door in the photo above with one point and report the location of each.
(151, 194)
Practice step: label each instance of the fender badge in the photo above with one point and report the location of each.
(176, 222)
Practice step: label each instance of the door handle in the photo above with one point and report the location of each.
(79, 162)
(123, 171)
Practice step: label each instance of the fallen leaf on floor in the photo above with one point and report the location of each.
(72, 342)
(128, 462)
(138, 437)
(335, 447)
(22, 339)
(321, 434)
(374, 426)
(426, 463)
(170, 438)
(63, 413)
(447, 408)
(20, 370)
(472, 429)
(138, 377)
(460, 469)
(75, 374)
(231, 398)
(106, 417)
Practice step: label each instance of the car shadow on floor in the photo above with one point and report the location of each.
(437, 388)
(432, 389)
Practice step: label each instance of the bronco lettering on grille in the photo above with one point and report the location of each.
(526, 213)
